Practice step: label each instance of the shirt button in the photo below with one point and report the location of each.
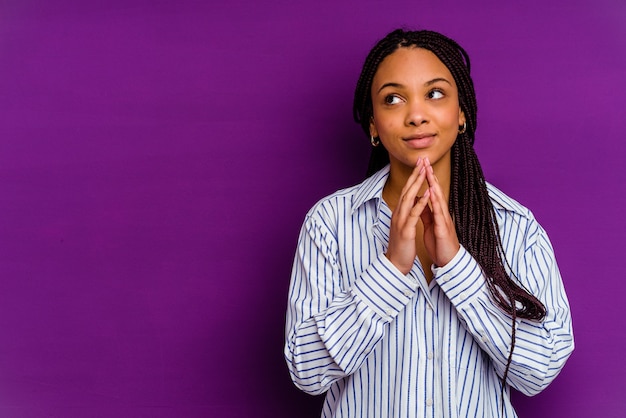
(408, 293)
(389, 312)
(430, 355)
(462, 295)
(485, 339)
(429, 402)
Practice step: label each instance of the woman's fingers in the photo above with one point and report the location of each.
(421, 203)
(438, 201)
(426, 215)
(440, 236)
(401, 250)
(411, 188)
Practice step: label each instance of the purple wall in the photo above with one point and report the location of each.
(157, 159)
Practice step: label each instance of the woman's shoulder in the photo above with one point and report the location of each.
(504, 203)
(348, 200)
(516, 221)
(328, 213)
(339, 200)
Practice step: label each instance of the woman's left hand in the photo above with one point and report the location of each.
(440, 237)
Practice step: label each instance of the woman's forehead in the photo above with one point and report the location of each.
(411, 64)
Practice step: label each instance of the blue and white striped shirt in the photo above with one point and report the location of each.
(385, 344)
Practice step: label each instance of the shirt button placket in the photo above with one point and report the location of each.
(430, 388)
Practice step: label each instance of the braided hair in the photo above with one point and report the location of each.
(470, 205)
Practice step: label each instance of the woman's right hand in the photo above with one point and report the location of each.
(402, 249)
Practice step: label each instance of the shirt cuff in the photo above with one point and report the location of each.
(384, 288)
(462, 279)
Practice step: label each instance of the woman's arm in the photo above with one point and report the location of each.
(330, 329)
(541, 348)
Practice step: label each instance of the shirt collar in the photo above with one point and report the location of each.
(371, 188)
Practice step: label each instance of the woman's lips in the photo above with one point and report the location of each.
(420, 140)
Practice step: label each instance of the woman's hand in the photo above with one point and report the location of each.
(403, 231)
(440, 237)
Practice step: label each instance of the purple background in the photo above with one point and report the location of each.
(157, 159)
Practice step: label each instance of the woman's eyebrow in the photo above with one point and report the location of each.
(435, 80)
(396, 85)
(428, 83)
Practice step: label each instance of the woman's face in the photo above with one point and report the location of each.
(416, 109)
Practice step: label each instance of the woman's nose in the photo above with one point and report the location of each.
(416, 113)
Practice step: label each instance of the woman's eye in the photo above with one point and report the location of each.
(392, 99)
(435, 94)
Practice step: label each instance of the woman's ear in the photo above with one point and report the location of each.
(462, 119)
(373, 130)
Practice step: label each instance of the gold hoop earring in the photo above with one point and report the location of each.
(375, 141)
(462, 131)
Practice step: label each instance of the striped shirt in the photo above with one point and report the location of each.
(384, 344)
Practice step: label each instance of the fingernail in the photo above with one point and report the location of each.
(419, 159)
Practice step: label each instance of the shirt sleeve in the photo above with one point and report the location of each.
(330, 330)
(541, 348)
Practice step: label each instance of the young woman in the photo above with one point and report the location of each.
(423, 291)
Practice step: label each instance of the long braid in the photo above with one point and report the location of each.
(474, 216)
(362, 109)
